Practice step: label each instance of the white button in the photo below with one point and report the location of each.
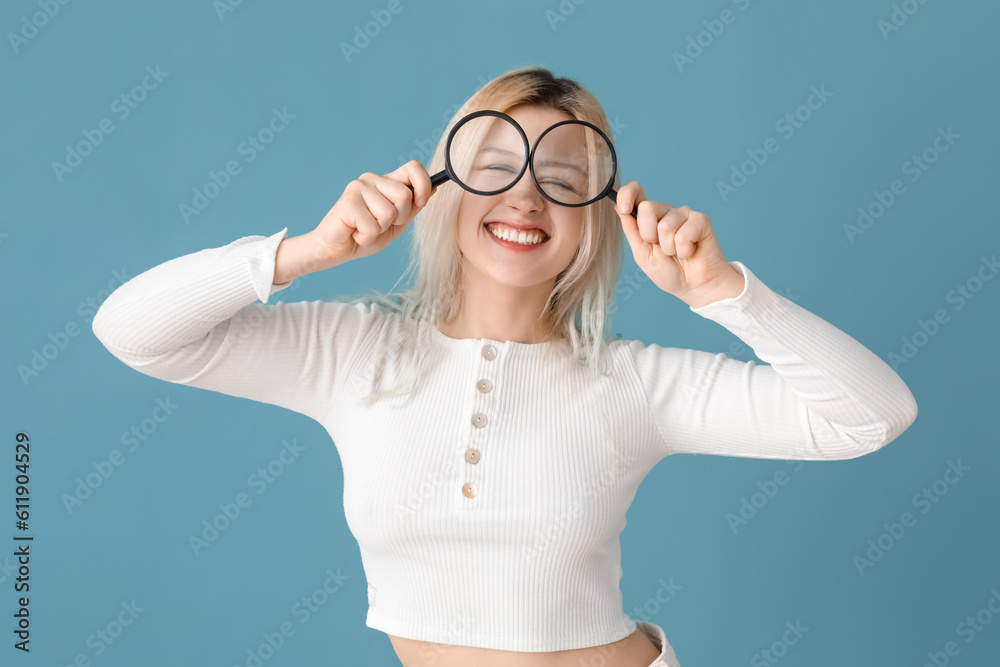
(489, 352)
(484, 386)
(472, 455)
(479, 420)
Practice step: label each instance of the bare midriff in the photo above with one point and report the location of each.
(636, 650)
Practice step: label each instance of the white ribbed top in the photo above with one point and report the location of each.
(531, 562)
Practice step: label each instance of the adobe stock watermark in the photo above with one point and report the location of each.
(648, 610)
(899, 17)
(779, 647)
(714, 28)
(250, 148)
(104, 637)
(223, 7)
(629, 284)
(737, 348)
(246, 321)
(924, 500)
(915, 166)
(122, 106)
(427, 488)
(6, 569)
(260, 481)
(364, 34)
(642, 613)
(758, 500)
(59, 340)
(692, 390)
(131, 440)
(617, 127)
(588, 504)
(959, 296)
(968, 629)
(544, 538)
(30, 26)
(455, 633)
(563, 11)
(425, 147)
(303, 610)
(786, 126)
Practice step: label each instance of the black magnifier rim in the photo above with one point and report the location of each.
(614, 163)
(472, 116)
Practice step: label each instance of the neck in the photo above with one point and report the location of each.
(502, 312)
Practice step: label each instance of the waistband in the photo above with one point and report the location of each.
(667, 658)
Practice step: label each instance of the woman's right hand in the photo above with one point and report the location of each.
(371, 213)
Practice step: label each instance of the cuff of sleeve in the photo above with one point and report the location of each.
(756, 300)
(261, 263)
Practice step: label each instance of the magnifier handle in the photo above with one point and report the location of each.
(439, 178)
(436, 180)
(613, 196)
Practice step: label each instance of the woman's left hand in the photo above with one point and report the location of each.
(677, 249)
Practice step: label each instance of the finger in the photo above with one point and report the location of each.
(405, 198)
(415, 175)
(355, 214)
(399, 194)
(382, 209)
(631, 229)
(624, 207)
(667, 227)
(629, 195)
(360, 217)
(646, 220)
(697, 228)
(366, 227)
(648, 216)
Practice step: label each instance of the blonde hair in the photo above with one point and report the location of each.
(583, 291)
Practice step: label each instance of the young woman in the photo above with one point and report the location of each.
(492, 435)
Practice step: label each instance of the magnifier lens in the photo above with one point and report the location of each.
(573, 164)
(487, 155)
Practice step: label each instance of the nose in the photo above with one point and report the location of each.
(524, 196)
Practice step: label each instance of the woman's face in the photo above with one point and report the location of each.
(502, 262)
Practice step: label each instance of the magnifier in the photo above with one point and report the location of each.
(572, 164)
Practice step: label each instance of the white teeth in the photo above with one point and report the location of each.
(524, 238)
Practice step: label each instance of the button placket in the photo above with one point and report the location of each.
(479, 419)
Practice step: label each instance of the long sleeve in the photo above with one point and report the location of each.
(193, 320)
(823, 396)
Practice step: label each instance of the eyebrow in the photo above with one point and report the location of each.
(488, 149)
(568, 165)
(561, 164)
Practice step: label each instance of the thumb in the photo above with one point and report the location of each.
(631, 228)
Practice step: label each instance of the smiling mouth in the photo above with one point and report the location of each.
(522, 237)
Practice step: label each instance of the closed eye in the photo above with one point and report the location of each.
(560, 184)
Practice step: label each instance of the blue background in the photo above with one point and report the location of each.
(683, 128)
